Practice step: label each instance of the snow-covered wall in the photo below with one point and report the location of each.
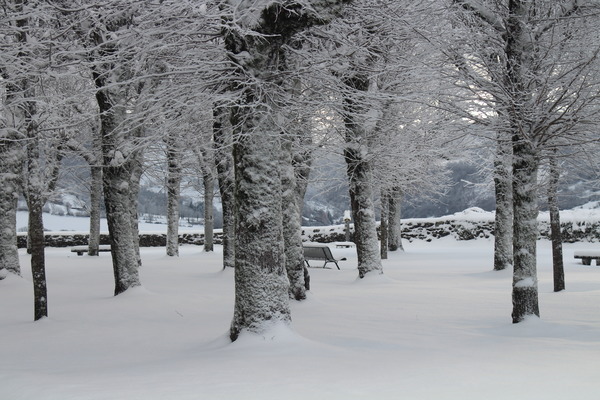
(68, 239)
(581, 224)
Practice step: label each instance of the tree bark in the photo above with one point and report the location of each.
(261, 283)
(35, 205)
(395, 220)
(292, 229)
(503, 227)
(209, 219)
(555, 234)
(117, 199)
(95, 200)
(13, 125)
(9, 255)
(223, 143)
(525, 285)
(136, 167)
(360, 182)
(525, 165)
(11, 153)
(118, 190)
(384, 226)
(173, 195)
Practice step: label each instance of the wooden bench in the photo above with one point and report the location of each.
(84, 249)
(321, 253)
(588, 256)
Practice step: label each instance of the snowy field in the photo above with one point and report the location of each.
(62, 223)
(436, 326)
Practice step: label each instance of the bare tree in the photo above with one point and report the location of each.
(536, 63)
(256, 45)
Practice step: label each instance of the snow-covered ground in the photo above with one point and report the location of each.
(436, 325)
(59, 223)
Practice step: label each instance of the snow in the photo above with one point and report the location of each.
(57, 223)
(436, 325)
(525, 283)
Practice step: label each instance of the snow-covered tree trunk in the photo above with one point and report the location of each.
(14, 115)
(363, 214)
(503, 227)
(525, 285)
(519, 53)
(384, 226)
(292, 229)
(209, 219)
(136, 167)
(11, 154)
(9, 255)
(95, 201)
(223, 142)
(34, 195)
(117, 183)
(555, 234)
(395, 220)
(256, 45)
(261, 283)
(117, 179)
(359, 173)
(173, 195)
(35, 204)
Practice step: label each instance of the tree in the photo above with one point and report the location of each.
(255, 38)
(536, 63)
(110, 49)
(359, 171)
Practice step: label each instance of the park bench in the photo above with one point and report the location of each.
(84, 249)
(320, 253)
(587, 257)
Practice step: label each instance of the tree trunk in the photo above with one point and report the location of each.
(503, 227)
(38, 263)
(95, 200)
(118, 191)
(555, 234)
(302, 166)
(14, 124)
(136, 175)
(292, 229)
(117, 199)
(9, 255)
(360, 183)
(209, 219)
(35, 233)
(261, 283)
(395, 220)
(173, 196)
(384, 226)
(525, 285)
(223, 143)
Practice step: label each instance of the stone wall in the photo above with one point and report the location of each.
(411, 230)
(65, 239)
